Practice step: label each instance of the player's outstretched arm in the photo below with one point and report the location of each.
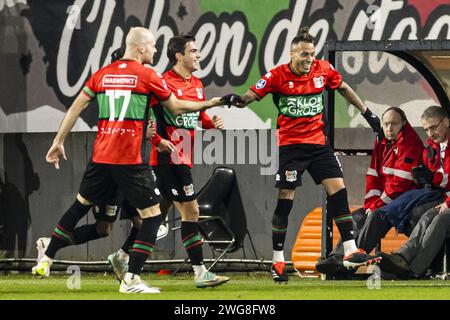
(177, 106)
(57, 149)
(350, 95)
(240, 101)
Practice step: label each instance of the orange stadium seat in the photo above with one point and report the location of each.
(308, 245)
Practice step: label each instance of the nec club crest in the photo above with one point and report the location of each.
(188, 190)
(318, 82)
(291, 176)
(199, 93)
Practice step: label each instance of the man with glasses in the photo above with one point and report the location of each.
(388, 178)
(427, 238)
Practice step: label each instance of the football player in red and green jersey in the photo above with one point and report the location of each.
(170, 161)
(297, 88)
(118, 162)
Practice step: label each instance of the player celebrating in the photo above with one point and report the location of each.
(170, 164)
(297, 93)
(118, 160)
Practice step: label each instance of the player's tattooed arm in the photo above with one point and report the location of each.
(177, 106)
(350, 95)
(247, 98)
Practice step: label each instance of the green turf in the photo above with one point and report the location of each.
(255, 286)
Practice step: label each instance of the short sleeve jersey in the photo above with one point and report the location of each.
(123, 91)
(299, 101)
(184, 89)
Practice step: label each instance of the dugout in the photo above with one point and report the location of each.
(430, 58)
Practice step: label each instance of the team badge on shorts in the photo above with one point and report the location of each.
(188, 190)
(110, 210)
(157, 192)
(291, 176)
(318, 82)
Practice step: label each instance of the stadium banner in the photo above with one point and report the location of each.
(49, 49)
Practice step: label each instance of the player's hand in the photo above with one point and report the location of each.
(218, 122)
(372, 120)
(151, 129)
(233, 99)
(442, 207)
(54, 153)
(165, 146)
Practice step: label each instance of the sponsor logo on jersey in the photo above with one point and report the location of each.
(179, 92)
(122, 65)
(291, 176)
(188, 190)
(301, 106)
(318, 82)
(199, 93)
(174, 192)
(261, 84)
(268, 75)
(187, 120)
(291, 85)
(122, 81)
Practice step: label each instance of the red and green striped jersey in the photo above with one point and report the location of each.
(167, 124)
(123, 91)
(299, 101)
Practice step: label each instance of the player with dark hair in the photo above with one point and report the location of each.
(118, 160)
(297, 89)
(170, 163)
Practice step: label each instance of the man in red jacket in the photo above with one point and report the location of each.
(433, 228)
(388, 176)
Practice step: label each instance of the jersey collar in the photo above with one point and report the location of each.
(299, 75)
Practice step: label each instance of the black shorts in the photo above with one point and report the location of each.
(102, 182)
(175, 182)
(127, 211)
(319, 160)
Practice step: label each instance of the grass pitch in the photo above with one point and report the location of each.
(252, 286)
